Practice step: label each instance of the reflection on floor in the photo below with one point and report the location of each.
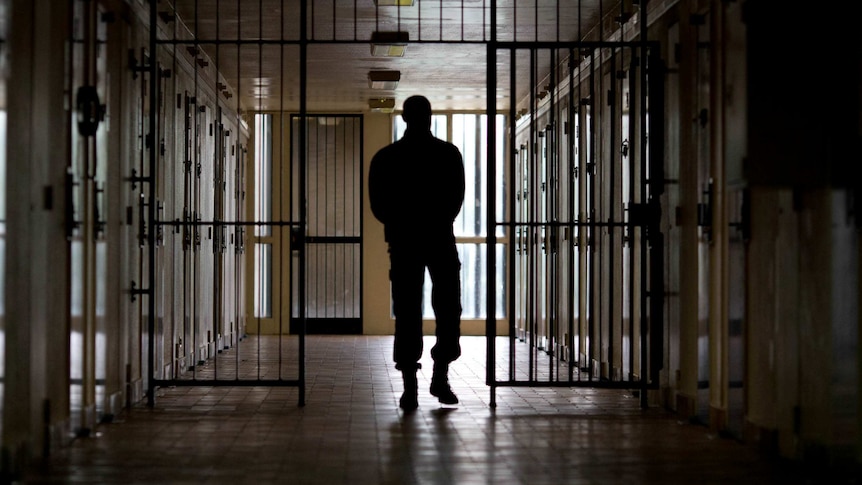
(351, 432)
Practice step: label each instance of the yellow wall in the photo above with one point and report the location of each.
(376, 318)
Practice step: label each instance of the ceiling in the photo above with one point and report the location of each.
(255, 45)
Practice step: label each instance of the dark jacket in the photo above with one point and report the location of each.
(416, 187)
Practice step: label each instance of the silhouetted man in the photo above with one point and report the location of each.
(416, 187)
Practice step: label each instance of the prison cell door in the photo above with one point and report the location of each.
(581, 207)
(86, 187)
(333, 237)
(705, 204)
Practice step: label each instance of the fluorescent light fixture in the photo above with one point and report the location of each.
(399, 3)
(381, 105)
(384, 79)
(389, 44)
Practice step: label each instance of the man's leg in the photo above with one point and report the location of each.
(445, 270)
(407, 274)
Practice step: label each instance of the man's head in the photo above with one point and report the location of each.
(417, 113)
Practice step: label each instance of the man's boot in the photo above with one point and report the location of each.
(409, 400)
(440, 384)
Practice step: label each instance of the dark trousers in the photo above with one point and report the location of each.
(407, 275)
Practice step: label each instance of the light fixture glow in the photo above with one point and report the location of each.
(383, 79)
(381, 105)
(389, 44)
(399, 3)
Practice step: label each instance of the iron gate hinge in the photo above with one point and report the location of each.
(135, 291)
(134, 179)
(71, 223)
(136, 67)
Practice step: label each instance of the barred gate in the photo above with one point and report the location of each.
(577, 212)
(582, 218)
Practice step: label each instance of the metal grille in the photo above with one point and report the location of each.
(582, 211)
(560, 71)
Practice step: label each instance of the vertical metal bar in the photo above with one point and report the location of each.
(583, 288)
(514, 229)
(535, 25)
(462, 20)
(531, 302)
(643, 155)
(218, 152)
(260, 200)
(303, 113)
(491, 314)
(597, 112)
(633, 93)
(551, 213)
(514, 22)
(614, 109)
(151, 212)
(358, 183)
(326, 256)
(239, 237)
(558, 20)
(570, 142)
(314, 225)
(591, 238)
(343, 174)
(281, 188)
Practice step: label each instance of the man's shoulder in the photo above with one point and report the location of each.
(387, 151)
(443, 144)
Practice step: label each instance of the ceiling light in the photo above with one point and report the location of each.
(384, 79)
(381, 105)
(389, 44)
(400, 3)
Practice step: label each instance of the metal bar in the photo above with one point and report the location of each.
(281, 188)
(227, 382)
(536, 20)
(598, 384)
(558, 20)
(357, 167)
(591, 237)
(586, 44)
(217, 152)
(643, 156)
(260, 201)
(222, 223)
(570, 146)
(491, 215)
(303, 113)
(151, 210)
(633, 96)
(441, 21)
(531, 170)
(614, 116)
(551, 210)
(239, 214)
(513, 178)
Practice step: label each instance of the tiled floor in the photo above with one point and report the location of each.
(351, 432)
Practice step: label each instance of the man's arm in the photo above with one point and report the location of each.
(457, 192)
(378, 188)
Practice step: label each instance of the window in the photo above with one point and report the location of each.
(468, 131)
(263, 213)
